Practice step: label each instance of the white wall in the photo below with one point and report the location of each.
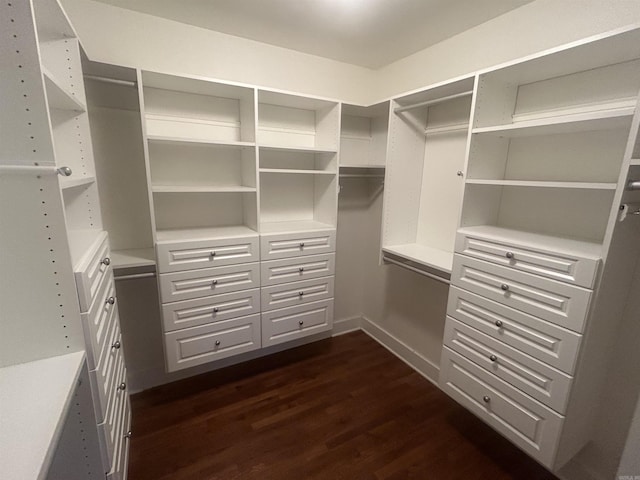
(124, 37)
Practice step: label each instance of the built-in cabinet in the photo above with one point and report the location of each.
(60, 328)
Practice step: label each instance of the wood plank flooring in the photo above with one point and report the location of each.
(342, 408)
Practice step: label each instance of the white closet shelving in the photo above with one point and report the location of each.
(428, 133)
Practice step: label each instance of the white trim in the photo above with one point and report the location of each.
(346, 325)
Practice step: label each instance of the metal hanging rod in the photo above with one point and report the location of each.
(36, 169)
(134, 276)
(417, 270)
(435, 101)
(115, 81)
(633, 185)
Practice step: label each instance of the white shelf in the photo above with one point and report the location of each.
(296, 171)
(294, 226)
(58, 97)
(522, 238)
(364, 166)
(76, 182)
(200, 141)
(82, 242)
(575, 122)
(188, 234)
(134, 257)
(543, 184)
(35, 397)
(285, 148)
(635, 162)
(427, 256)
(200, 189)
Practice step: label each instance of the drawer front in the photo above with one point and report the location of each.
(207, 343)
(178, 256)
(121, 448)
(297, 293)
(208, 281)
(216, 308)
(279, 326)
(557, 302)
(286, 245)
(553, 345)
(108, 428)
(106, 376)
(97, 322)
(90, 273)
(296, 269)
(542, 382)
(528, 424)
(546, 263)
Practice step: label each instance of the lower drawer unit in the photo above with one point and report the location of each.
(179, 286)
(537, 379)
(284, 325)
(545, 341)
(121, 451)
(201, 311)
(206, 343)
(108, 429)
(560, 303)
(298, 268)
(526, 422)
(92, 270)
(96, 322)
(296, 293)
(104, 378)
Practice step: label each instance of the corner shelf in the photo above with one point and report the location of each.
(432, 258)
(544, 184)
(201, 189)
(35, 398)
(58, 97)
(76, 182)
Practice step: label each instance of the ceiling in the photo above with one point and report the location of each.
(370, 33)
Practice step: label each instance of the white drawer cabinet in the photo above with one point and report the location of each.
(526, 422)
(285, 245)
(189, 255)
(279, 326)
(546, 262)
(298, 268)
(200, 311)
(537, 379)
(560, 303)
(121, 448)
(545, 341)
(98, 320)
(91, 271)
(104, 377)
(206, 343)
(208, 281)
(290, 294)
(108, 428)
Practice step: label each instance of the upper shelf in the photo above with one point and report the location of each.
(203, 233)
(434, 259)
(35, 397)
(201, 189)
(300, 149)
(134, 257)
(207, 141)
(544, 184)
(297, 171)
(294, 226)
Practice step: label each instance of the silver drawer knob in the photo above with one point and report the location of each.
(106, 261)
(214, 282)
(504, 287)
(116, 345)
(459, 173)
(216, 309)
(122, 387)
(300, 323)
(111, 300)
(486, 399)
(217, 343)
(301, 293)
(128, 434)
(301, 269)
(499, 323)
(212, 254)
(509, 255)
(301, 244)
(493, 358)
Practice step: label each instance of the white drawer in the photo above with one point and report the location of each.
(178, 256)
(297, 293)
(200, 311)
(553, 345)
(542, 382)
(279, 326)
(207, 343)
(208, 281)
(91, 270)
(557, 302)
(285, 245)
(539, 261)
(97, 322)
(108, 429)
(295, 269)
(104, 377)
(121, 448)
(527, 423)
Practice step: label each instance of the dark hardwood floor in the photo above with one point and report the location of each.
(343, 408)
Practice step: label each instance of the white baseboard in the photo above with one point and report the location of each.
(420, 364)
(346, 325)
